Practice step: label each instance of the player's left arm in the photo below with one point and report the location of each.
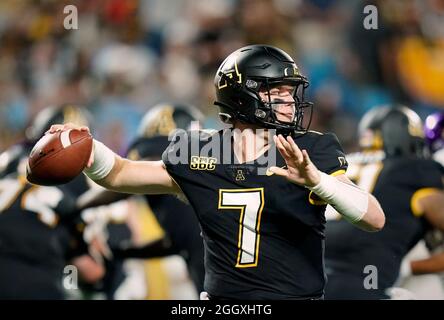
(373, 218)
(354, 204)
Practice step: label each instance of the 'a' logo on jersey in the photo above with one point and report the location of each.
(240, 175)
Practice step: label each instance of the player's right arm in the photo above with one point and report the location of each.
(122, 175)
(143, 177)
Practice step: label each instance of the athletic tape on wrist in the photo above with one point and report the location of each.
(104, 159)
(349, 200)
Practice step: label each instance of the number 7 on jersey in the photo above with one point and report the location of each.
(250, 202)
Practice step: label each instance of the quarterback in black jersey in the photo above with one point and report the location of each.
(394, 167)
(263, 233)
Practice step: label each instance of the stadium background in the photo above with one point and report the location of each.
(126, 56)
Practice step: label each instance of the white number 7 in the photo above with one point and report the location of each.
(250, 202)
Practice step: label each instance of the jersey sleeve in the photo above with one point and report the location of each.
(328, 155)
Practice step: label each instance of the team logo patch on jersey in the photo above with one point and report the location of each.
(240, 175)
(203, 163)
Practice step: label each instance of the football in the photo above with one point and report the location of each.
(59, 157)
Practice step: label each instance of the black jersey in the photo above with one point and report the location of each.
(263, 238)
(37, 236)
(397, 183)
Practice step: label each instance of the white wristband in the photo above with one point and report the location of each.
(349, 200)
(104, 159)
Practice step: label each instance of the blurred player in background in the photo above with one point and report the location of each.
(421, 267)
(181, 233)
(394, 168)
(40, 227)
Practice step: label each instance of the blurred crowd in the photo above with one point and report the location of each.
(126, 56)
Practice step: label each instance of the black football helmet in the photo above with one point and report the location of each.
(156, 125)
(396, 129)
(57, 115)
(259, 68)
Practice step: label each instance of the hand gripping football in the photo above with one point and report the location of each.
(59, 157)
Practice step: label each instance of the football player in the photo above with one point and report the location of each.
(40, 230)
(433, 131)
(263, 233)
(408, 187)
